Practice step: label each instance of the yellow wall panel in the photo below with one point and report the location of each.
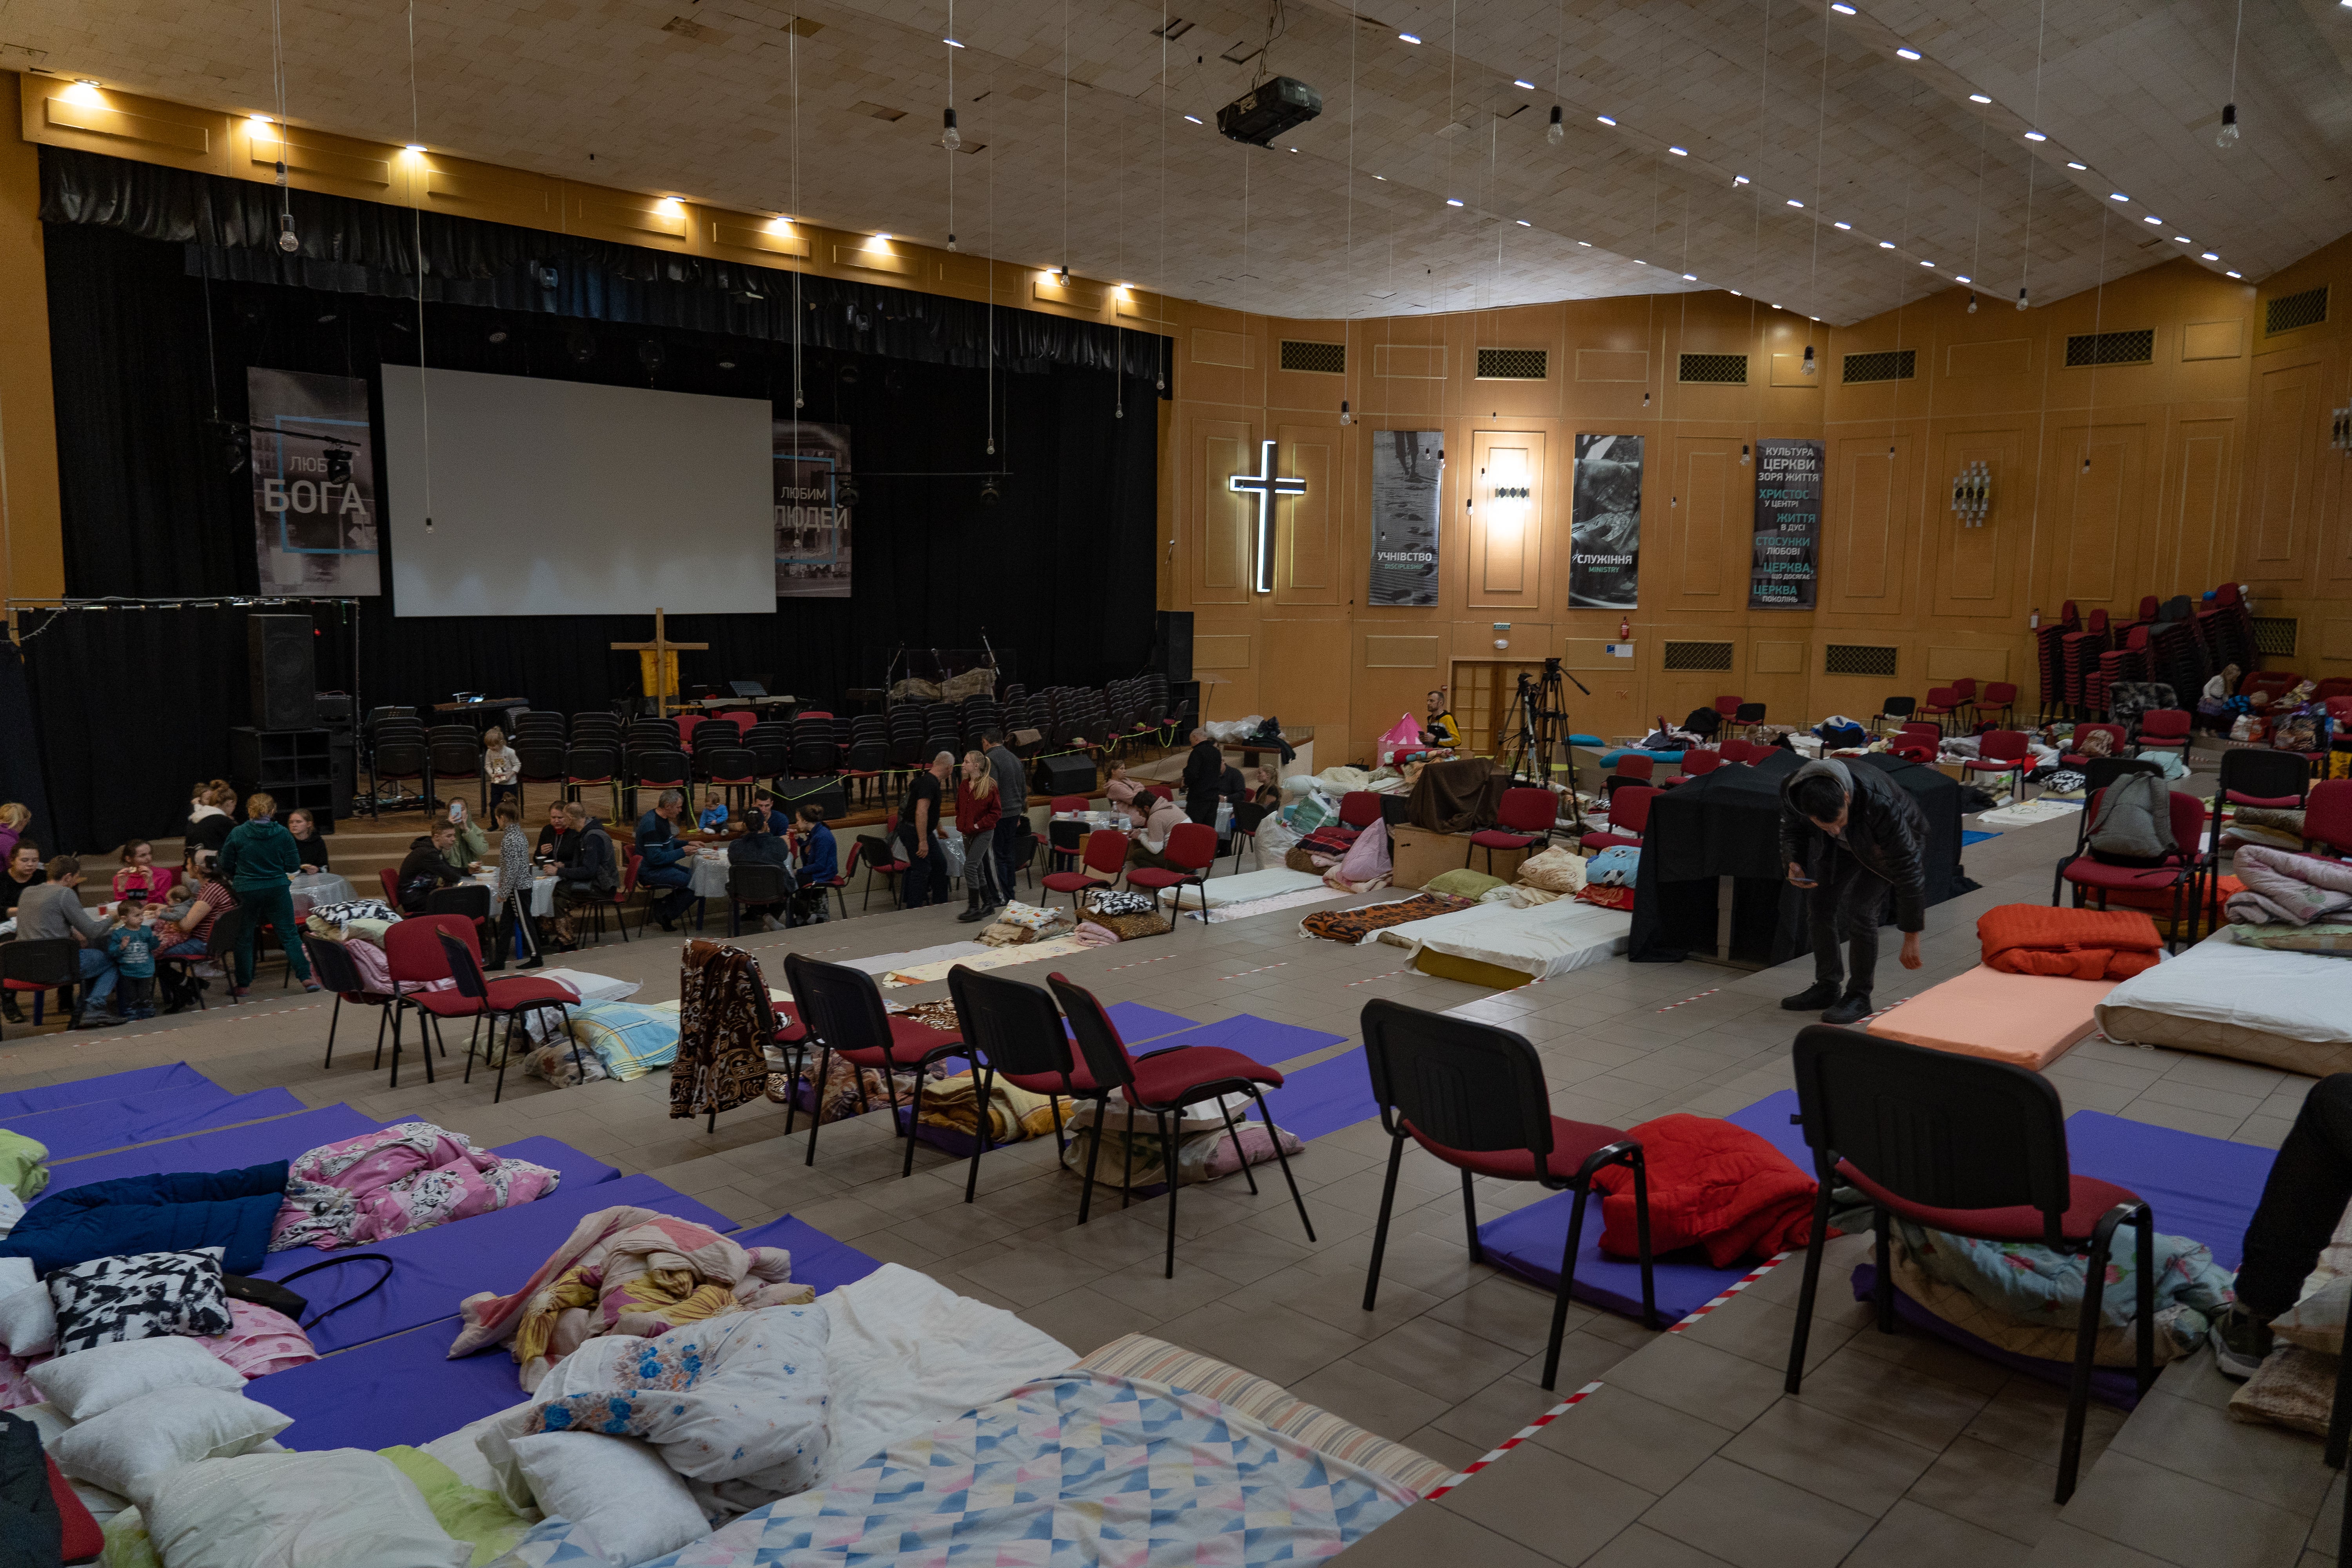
(1221, 650)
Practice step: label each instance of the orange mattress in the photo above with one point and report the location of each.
(2030, 1020)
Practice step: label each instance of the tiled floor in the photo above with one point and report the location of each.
(1898, 1449)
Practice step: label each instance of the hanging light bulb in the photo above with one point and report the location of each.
(288, 240)
(951, 245)
(1810, 367)
(949, 138)
(991, 446)
(1344, 417)
(2021, 298)
(1555, 132)
(1972, 302)
(2226, 137)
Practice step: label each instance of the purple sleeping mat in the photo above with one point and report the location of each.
(1528, 1241)
(112, 1086)
(435, 1270)
(148, 1116)
(233, 1150)
(405, 1389)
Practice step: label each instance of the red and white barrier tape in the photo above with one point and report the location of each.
(1688, 1000)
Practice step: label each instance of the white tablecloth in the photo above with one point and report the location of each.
(542, 893)
(322, 888)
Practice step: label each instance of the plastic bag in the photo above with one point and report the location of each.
(1404, 736)
(948, 848)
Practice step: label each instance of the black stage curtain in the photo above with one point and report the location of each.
(20, 748)
(1059, 576)
(1726, 823)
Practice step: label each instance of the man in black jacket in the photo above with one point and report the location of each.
(588, 878)
(1205, 771)
(426, 868)
(1871, 838)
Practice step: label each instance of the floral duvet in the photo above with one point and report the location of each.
(1078, 1468)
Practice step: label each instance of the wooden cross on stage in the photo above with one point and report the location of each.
(659, 648)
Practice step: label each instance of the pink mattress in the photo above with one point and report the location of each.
(2030, 1020)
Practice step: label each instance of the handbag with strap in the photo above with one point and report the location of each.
(274, 1294)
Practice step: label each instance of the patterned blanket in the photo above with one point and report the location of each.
(1354, 925)
(1079, 1469)
(396, 1180)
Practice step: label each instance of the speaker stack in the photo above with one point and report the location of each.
(1071, 773)
(284, 753)
(285, 672)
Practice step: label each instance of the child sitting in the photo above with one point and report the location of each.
(133, 943)
(714, 813)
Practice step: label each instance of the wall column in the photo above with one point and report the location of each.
(32, 539)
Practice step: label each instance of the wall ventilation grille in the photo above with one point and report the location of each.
(1858, 658)
(2086, 349)
(1886, 364)
(1316, 359)
(2288, 311)
(1722, 370)
(2274, 635)
(1698, 655)
(1514, 365)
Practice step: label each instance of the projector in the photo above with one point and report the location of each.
(1268, 110)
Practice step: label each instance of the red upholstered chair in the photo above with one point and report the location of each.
(333, 963)
(881, 862)
(842, 1010)
(1928, 732)
(688, 723)
(2002, 752)
(509, 998)
(2003, 695)
(390, 877)
(1191, 846)
(1628, 816)
(1068, 802)
(1972, 1147)
(2177, 873)
(1943, 702)
(1472, 1094)
(1160, 1084)
(1739, 751)
(2070, 759)
(1015, 1033)
(1359, 809)
(1634, 765)
(1726, 707)
(1524, 819)
(2327, 818)
(414, 956)
(2165, 728)
(1105, 858)
(1697, 765)
(2274, 683)
(1965, 689)
(1162, 791)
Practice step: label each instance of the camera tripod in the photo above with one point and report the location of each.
(1537, 721)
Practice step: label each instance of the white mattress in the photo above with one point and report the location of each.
(2299, 995)
(1249, 887)
(1548, 940)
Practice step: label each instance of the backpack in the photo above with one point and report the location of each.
(1703, 721)
(2135, 821)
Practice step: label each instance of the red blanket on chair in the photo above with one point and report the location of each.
(1711, 1186)
(2078, 944)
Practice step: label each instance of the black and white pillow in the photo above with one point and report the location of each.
(1120, 903)
(139, 1297)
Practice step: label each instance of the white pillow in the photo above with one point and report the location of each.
(28, 1322)
(618, 1487)
(341, 1507)
(16, 1274)
(93, 1381)
(131, 1448)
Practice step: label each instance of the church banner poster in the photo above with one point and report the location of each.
(314, 486)
(1787, 566)
(813, 513)
(1407, 466)
(1604, 563)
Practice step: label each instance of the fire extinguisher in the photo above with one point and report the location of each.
(1624, 630)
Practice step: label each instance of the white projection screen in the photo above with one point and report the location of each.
(554, 498)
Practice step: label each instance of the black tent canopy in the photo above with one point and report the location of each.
(1725, 824)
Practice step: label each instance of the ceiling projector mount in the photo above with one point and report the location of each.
(1268, 110)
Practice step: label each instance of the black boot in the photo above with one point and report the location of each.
(972, 909)
(1821, 993)
(1851, 1008)
(10, 1011)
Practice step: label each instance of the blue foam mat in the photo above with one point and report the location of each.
(110, 1086)
(579, 1170)
(1323, 1098)
(435, 1270)
(148, 1117)
(232, 1150)
(405, 1389)
(1976, 836)
(1137, 1022)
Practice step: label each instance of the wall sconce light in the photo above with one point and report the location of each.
(1972, 493)
(2339, 431)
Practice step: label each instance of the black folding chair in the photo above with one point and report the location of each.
(339, 971)
(842, 1010)
(1970, 1147)
(1474, 1095)
(1014, 1032)
(41, 967)
(751, 882)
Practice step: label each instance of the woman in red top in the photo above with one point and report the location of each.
(977, 810)
(189, 933)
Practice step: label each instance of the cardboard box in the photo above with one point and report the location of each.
(1419, 854)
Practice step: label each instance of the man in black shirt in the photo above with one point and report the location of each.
(428, 868)
(918, 823)
(1205, 771)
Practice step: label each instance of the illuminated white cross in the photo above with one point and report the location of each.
(1266, 487)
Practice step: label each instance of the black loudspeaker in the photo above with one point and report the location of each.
(1171, 645)
(792, 794)
(1071, 773)
(284, 665)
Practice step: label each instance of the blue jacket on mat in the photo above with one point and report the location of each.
(175, 1212)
